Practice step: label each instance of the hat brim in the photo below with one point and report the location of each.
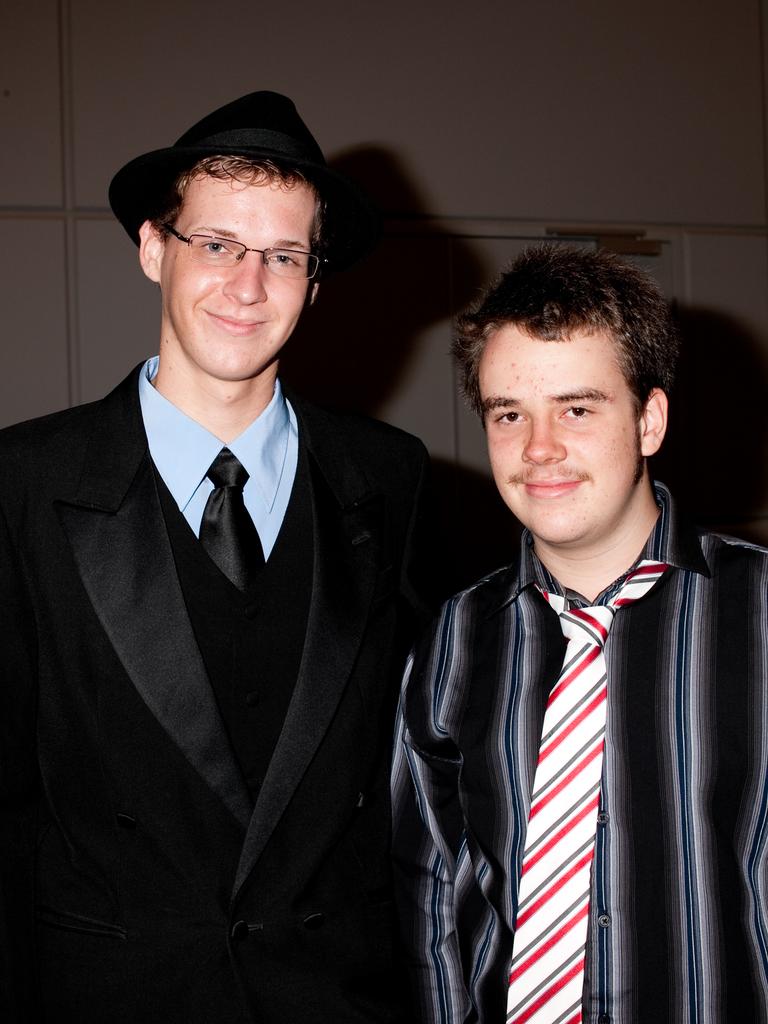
(351, 223)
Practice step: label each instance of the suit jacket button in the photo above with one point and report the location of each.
(239, 931)
(314, 921)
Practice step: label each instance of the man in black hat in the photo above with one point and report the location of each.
(205, 603)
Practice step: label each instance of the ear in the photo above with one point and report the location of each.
(653, 422)
(313, 293)
(151, 251)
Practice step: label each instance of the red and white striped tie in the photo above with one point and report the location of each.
(547, 973)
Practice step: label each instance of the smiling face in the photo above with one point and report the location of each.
(223, 328)
(567, 446)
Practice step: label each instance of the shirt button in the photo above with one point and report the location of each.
(603, 817)
(252, 698)
(251, 611)
(604, 920)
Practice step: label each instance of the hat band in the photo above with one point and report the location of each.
(249, 138)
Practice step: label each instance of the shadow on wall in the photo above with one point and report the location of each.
(476, 533)
(355, 346)
(715, 457)
(353, 349)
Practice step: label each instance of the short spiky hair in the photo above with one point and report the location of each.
(552, 291)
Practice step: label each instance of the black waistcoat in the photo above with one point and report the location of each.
(251, 642)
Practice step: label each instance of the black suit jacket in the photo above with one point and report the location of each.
(138, 881)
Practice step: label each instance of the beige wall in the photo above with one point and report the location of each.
(475, 125)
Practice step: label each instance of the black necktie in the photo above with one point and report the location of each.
(227, 532)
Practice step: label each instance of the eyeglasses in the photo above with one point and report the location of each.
(225, 252)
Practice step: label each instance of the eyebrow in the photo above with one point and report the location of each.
(579, 395)
(281, 243)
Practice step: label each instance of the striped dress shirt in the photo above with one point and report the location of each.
(678, 927)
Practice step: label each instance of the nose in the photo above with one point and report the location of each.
(543, 444)
(247, 280)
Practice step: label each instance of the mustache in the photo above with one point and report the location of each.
(532, 476)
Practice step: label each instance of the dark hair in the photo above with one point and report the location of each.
(243, 169)
(552, 291)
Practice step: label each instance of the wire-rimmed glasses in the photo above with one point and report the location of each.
(226, 252)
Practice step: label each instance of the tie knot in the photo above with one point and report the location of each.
(593, 621)
(590, 624)
(227, 471)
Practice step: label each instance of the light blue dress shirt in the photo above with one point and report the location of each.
(182, 450)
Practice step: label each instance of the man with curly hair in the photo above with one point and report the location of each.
(581, 776)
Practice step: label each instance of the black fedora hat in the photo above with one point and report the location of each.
(261, 125)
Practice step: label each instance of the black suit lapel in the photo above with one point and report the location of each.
(122, 551)
(347, 529)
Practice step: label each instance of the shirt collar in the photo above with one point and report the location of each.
(673, 540)
(182, 449)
